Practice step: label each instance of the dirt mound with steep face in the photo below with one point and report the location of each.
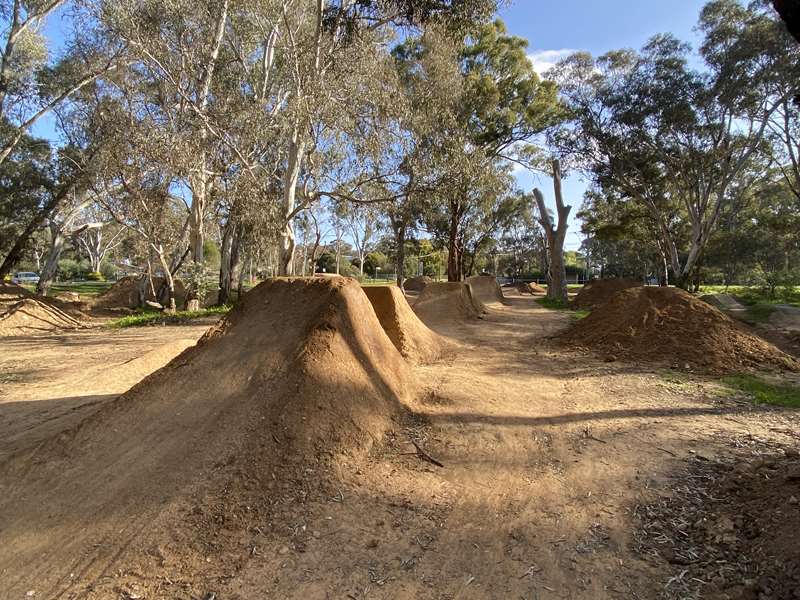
(23, 313)
(447, 302)
(486, 289)
(532, 288)
(598, 291)
(669, 325)
(298, 377)
(416, 284)
(409, 335)
(125, 293)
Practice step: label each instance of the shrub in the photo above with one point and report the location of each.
(95, 276)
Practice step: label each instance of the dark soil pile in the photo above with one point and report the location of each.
(447, 302)
(486, 289)
(298, 377)
(409, 335)
(23, 313)
(416, 284)
(728, 529)
(125, 293)
(669, 325)
(598, 291)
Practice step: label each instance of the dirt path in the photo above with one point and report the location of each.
(50, 382)
(547, 456)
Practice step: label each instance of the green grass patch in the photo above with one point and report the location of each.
(759, 312)
(765, 392)
(552, 304)
(751, 295)
(560, 305)
(149, 317)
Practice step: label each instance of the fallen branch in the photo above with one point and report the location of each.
(424, 455)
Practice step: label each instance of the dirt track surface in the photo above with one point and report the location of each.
(49, 383)
(546, 456)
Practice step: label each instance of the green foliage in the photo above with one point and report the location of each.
(69, 269)
(561, 305)
(553, 304)
(108, 270)
(145, 318)
(764, 392)
(94, 276)
(211, 254)
(504, 100)
(375, 260)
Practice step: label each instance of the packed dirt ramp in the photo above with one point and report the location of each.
(125, 293)
(670, 326)
(23, 313)
(486, 289)
(410, 336)
(447, 302)
(599, 291)
(299, 374)
(416, 284)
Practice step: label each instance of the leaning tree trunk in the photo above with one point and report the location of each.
(50, 269)
(18, 249)
(169, 281)
(557, 287)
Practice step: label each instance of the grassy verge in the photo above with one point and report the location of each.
(755, 295)
(146, 318)
(759, 312)
(764, 392)
(560, 305)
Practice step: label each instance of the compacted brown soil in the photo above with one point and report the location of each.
(294, 453)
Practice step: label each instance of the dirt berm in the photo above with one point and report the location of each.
(409, 335)
(486, 289)
(174, 474)
(598, 291)
(23, 313)
(669, 325)
(416, 284)
(125, 293)
(447, 302)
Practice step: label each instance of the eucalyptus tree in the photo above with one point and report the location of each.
(31, 86)
(556, 233)
(678, 140)
(501, 105)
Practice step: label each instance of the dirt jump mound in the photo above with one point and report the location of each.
(669, 325)
(531, 288)
(298, 376)
(598, 291)
(22, 313)
(416, 284)
(486, 289)
(125, 293)
(447, 302)
(409, 335)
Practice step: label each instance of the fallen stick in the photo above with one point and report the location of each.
(424, 455)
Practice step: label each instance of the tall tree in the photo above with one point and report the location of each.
(556, 234)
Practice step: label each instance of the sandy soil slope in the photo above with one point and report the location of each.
(546, 458)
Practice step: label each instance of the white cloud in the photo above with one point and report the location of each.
(544, 60)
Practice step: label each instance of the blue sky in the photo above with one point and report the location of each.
(554, 29)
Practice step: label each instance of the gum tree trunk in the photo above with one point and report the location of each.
(556, 234)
